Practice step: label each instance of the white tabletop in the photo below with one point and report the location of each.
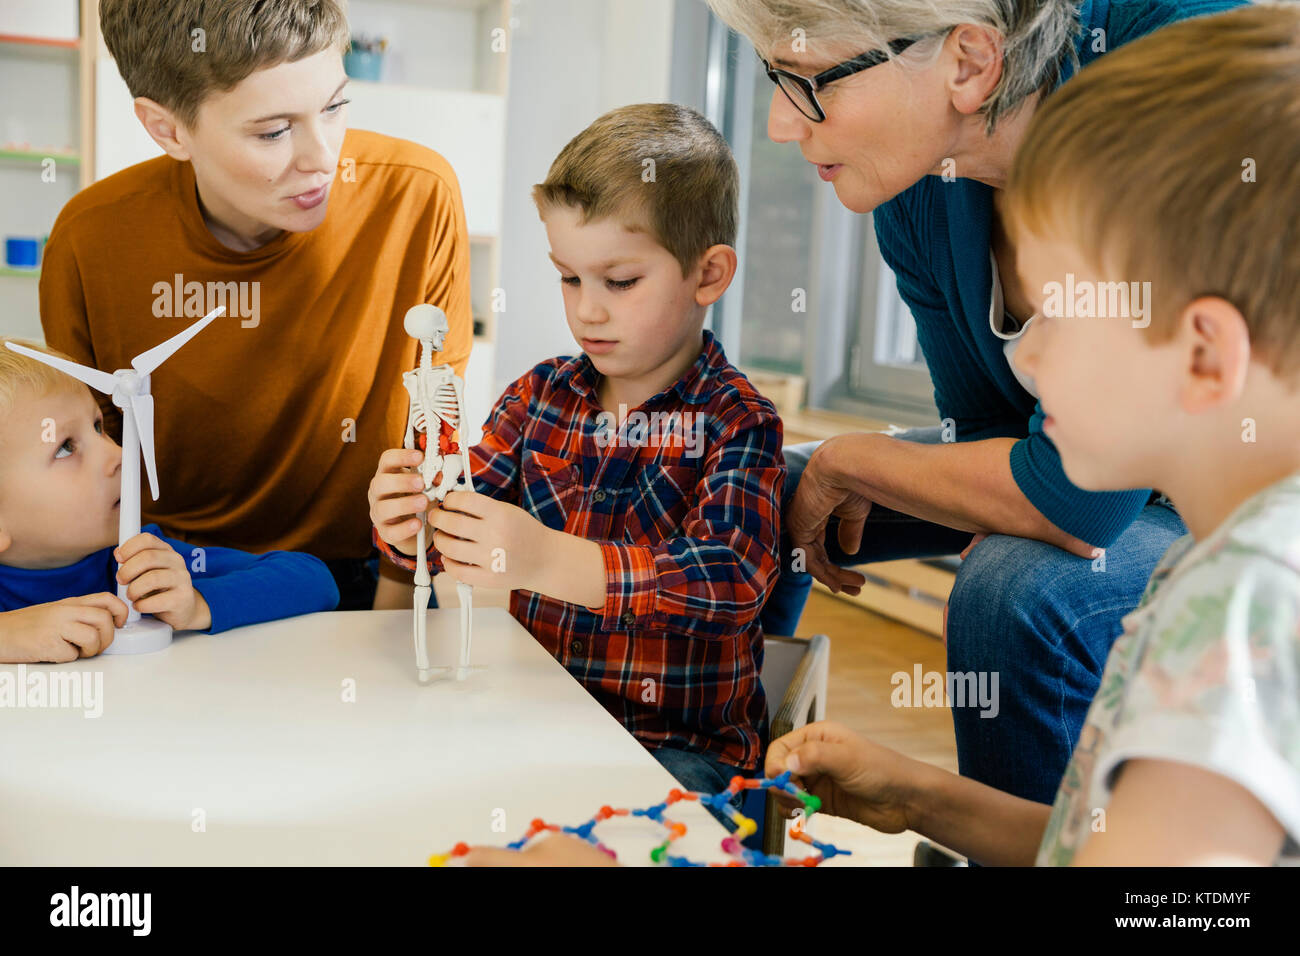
(248, 733)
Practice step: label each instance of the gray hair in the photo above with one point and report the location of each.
(1038, 35)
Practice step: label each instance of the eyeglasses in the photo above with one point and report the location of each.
(802, 90)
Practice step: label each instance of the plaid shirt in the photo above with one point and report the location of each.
(687, 523)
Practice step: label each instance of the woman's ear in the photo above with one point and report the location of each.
(161, 125)
(1217, 354)
(717, 269)
(977, 55)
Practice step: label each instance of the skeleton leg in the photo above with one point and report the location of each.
(423, 587)
(466, 594)
(465, 591)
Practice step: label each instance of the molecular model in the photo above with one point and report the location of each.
(745, 827)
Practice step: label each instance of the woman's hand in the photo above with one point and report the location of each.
(852, 777)
(818, 496)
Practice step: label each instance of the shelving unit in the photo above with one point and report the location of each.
(42, 52)
(37, 156)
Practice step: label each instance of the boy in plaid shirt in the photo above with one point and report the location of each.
(629, 497)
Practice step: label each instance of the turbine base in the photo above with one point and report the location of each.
(140, 637)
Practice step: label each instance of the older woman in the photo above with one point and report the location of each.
(912, 110)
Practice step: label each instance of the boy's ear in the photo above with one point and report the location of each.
(161, 124)
(1218, 353)
(717, 269)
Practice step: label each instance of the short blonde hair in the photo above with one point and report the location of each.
(21, 375)
(1176, 160)
(153, 43)
(688, 199)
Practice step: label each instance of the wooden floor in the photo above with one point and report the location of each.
(866, 651)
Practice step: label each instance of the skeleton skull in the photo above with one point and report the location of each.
(428, 323)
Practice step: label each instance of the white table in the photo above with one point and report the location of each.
(250, 729)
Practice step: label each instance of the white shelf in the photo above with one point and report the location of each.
(44, 19)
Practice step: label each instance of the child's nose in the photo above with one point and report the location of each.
(589, 310)
(1026, 354)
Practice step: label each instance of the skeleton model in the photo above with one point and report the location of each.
(437, 409)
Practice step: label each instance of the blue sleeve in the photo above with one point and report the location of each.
(1097, 517)
(243, 588)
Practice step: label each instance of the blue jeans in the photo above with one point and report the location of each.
(1041, 619)
(357, 580)
(700, 773)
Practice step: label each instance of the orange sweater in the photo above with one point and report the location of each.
(269, 424)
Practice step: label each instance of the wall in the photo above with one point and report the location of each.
(571, 61)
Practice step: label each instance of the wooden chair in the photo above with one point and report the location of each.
(795, 671)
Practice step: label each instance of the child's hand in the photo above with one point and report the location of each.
(397, 503)
(557, 849)
(158, 583)
(61, 631)
(489, 543)
(852, 776)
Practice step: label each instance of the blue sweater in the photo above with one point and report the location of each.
(240, 588)
(936, 237)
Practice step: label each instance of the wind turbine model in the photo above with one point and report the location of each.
(129, 388)
(437, 408)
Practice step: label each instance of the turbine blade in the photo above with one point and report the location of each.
(100, 381)
(142, 411)
(146, 362)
